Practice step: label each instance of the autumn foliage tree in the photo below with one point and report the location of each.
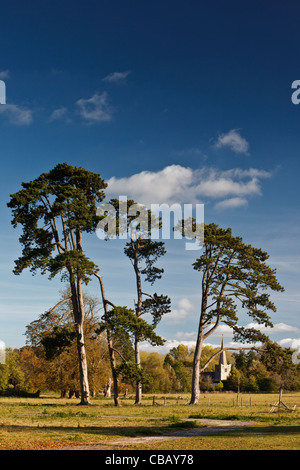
(51, 352)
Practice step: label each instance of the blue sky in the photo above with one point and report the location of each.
(185, 101)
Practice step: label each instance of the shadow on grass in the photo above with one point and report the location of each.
(264, 431)
(91, 436)
(113, 431)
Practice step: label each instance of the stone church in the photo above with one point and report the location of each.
(222, 370)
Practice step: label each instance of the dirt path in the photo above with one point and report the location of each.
(212, 426)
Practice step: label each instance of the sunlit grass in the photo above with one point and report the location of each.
(51, 422)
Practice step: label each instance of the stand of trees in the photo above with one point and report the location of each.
(31, 369)
(264, 371)
(74, 347)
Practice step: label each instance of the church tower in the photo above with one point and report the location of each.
(222, 370)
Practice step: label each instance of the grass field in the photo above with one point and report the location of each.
(49, 422)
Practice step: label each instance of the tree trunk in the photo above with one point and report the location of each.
(110, 345)
(108, 389)
(195, 393)
(78, 312)
(138, 310)
(138, 392)
(113, 369)
(83, 373)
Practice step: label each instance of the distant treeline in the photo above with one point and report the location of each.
(30, 370)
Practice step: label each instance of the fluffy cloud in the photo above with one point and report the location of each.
(16, 115)
(234, 141)
(277, 328)
(176, 183)
(153, 187)
(116, 77)
(60, 114)
(293, 343)
(232, 203)
(95, 109)
(189, 338)
(183, 309)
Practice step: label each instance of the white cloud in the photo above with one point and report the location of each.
(96, 109)
(232, 203)
(190, 343)
(234, 141)
(224, 330)
(116, 77)
(59, 114)
(293, 343)
(189, 338)
(16, 115)
(277, 328)
(185, 336)
(183, 309)
(227, 332)
(219, 185)
(178, 184)
(153, 187)
(251, 173)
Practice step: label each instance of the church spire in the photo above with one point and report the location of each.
(223, 359)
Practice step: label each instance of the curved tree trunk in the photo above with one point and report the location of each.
(195, 395)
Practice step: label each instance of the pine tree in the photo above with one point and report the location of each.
(55, 210)
(234, 275)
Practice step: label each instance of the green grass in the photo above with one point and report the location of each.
(51, 422)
